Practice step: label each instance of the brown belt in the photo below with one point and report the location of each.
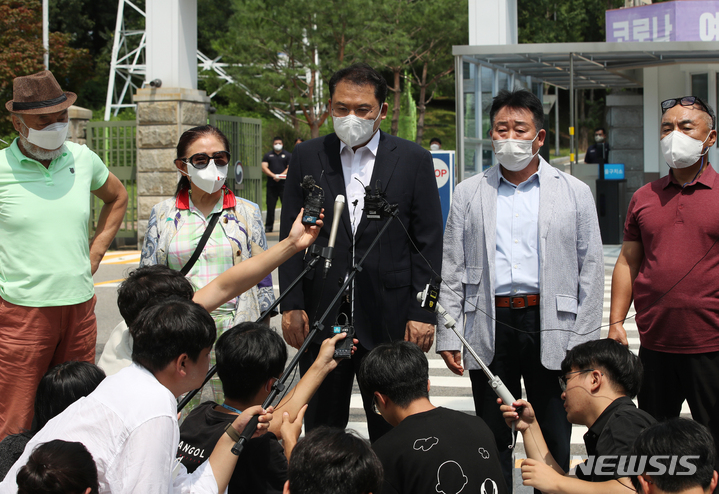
(518, 302)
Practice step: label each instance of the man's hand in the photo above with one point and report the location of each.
(540, 476)
(325, 358)
(453, 359)
(302, 236)
(295, 327)
(521, 421)
(275, 178)
(265, 416)
(617, 332)
(421, 333)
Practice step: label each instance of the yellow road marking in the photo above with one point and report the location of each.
(99, 283)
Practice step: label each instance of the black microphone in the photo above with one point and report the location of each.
(339, 206)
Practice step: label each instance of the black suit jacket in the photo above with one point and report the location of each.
(394, 271)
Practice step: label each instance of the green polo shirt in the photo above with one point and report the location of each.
(44, 214)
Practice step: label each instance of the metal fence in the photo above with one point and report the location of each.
(115, 143)
(245, 135)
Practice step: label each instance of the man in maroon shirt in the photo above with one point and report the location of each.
(669, 265)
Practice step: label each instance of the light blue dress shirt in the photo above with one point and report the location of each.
(517, 257)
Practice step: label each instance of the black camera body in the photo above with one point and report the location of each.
(375, 205)
(314, 197)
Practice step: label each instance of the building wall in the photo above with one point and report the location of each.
(493, 22)
(625, 122)
(666, 82)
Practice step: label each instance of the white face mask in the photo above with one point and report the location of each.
(353, 130)
(50, 138)
(514, 154)
(277, 147)
(598, 139)
(682, 151)
(209, 179)
(434, 147)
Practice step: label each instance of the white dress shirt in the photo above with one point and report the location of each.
(129, 425)
(358, 165)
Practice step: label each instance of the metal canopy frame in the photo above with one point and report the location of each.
(574, 66)
(596, 65)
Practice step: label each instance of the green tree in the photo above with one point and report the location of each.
(284, 52)
(443, 23)
(22, 53)
(390, 42)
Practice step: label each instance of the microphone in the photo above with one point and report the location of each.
(494, 381)
(337, 216)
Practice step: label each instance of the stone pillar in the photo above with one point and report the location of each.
(78, 118)
(625, 116)
(163, 114)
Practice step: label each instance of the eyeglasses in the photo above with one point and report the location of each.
(564, 379)
(687, 101)
(343, 112)
(201, 160)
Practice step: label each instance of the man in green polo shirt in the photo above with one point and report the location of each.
(47, 298)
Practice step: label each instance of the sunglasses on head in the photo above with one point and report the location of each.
(687, 101)
(201, 160)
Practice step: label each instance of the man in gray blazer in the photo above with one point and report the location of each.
(524, 271)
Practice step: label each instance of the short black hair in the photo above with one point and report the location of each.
(166, 330)
(147, 285)
(678, 437)
(398, 369)
(58, 467)
(62, 386)
(278, 138)
(602, 129)
(247, 356)
(623, 368)
(334, 461)
(517, 100)
(436, 139)
(360, 74)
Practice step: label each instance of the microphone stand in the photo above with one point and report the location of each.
(317, 327)
(317, 253)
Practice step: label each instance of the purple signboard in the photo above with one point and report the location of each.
(683, 20)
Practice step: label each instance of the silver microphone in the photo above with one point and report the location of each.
(337, 216)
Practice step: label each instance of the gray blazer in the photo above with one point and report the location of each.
(571, 266)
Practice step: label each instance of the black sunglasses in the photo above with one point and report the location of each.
(201, 160)
(687, 101)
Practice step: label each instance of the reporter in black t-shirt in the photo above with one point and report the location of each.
(599, 379)
(275, 165)
(431, 449)
(250, 358)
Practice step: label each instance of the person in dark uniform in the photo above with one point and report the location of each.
(598, 152)
(275, 165)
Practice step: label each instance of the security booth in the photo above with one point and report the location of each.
(654, 70)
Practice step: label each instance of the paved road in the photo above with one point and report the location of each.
(448, 389)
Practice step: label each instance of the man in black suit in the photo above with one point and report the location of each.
(381, 304)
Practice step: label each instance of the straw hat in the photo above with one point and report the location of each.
(38, 94)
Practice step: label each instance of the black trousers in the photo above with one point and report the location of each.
(331, 403)
(671, 378)
(274, 192)
(516, 355)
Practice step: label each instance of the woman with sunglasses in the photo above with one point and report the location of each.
(177, 225)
